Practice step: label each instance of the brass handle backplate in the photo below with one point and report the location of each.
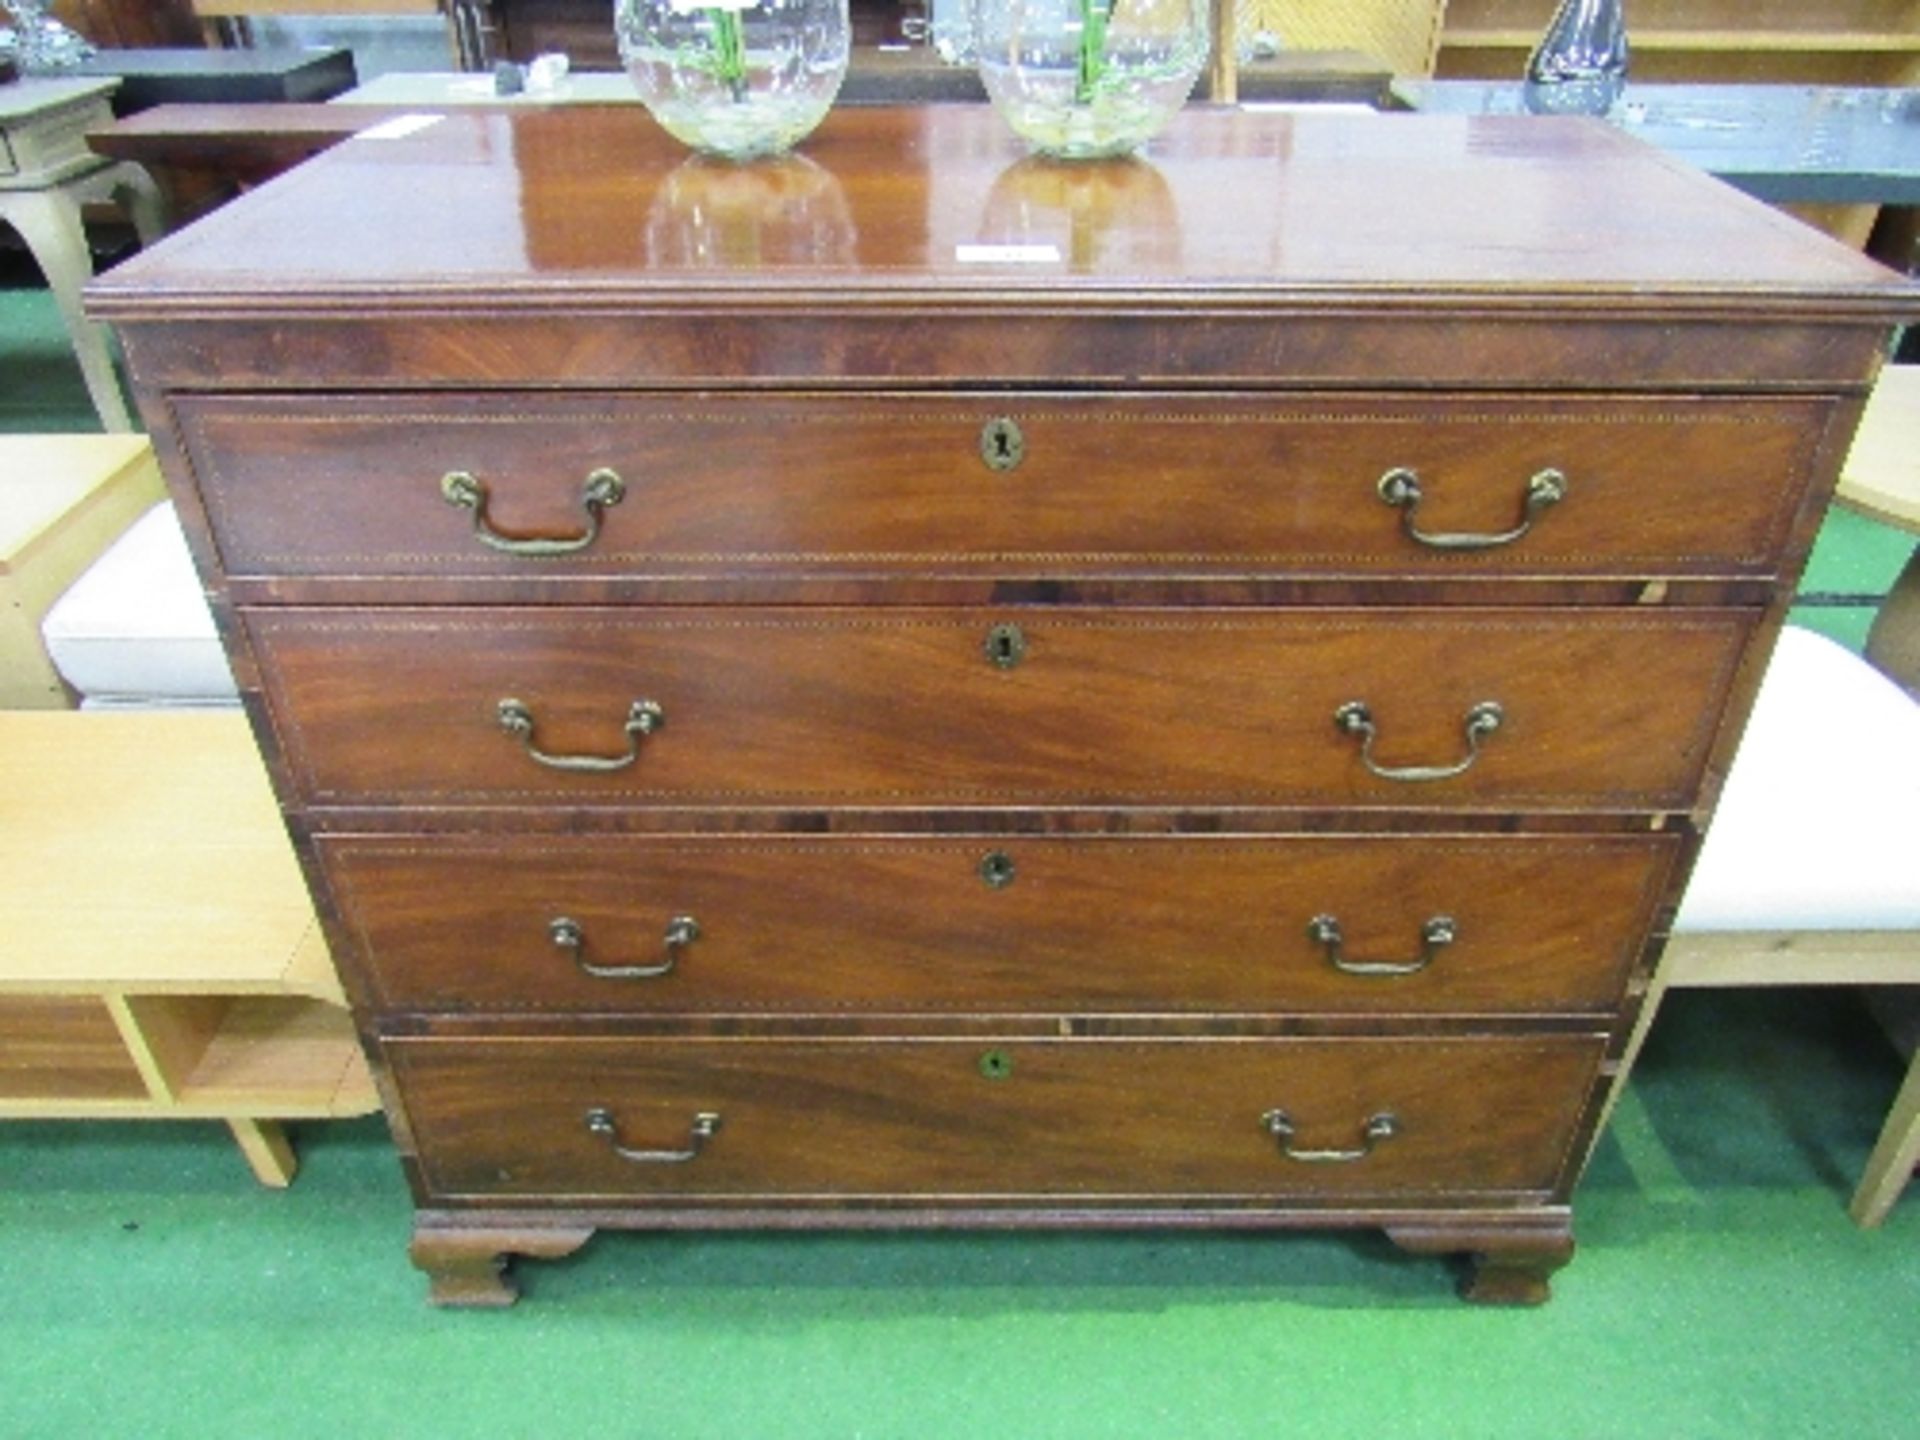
(1356, 718)
(1400, 488)
(643, 718)
(571, 937)
(603, 488)
(1383, 1126)
(1435, 935)
(600, 1122)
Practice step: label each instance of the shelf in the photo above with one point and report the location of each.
(1729, 41)
(159, 955)
(52, 1048)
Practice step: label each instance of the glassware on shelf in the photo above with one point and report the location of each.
(41, 44)
(1083, 79)
(737, 78)
(1580, 65)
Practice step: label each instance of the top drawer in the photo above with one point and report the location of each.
(997, 484)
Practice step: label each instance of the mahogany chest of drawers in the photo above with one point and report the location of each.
(914, 686)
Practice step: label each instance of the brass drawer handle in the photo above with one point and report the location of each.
(601, 1122)
(643, 718)
(1383, 1126)
(1356, 718)
(1435, 935)
(1400, 488)
(571, 937)
(602, 489)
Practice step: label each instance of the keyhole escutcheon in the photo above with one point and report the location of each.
(1006, 646)
(1002, 445)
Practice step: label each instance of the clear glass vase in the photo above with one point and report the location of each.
(735, 78)
(1580, 65)
(1082, 79)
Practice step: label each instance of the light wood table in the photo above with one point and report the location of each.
(1881, 479)
(159, 956)
(47, 176)
(63, 500)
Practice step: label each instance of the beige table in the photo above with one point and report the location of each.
(159, 957)
(63, 500)
(1881, 479)
(47, 176)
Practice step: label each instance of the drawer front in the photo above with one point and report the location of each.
(967, 1119)
(926, 707)
(716, 484)
(1360, 924)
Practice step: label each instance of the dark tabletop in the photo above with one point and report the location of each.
(188, 76)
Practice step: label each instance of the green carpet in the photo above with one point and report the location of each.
(152, 1290)
(40, 385)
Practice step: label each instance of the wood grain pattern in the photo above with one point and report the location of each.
(1219, 352)
(725, 484)
(1087, 1120)
(882, 197)
(1177, 925)
(904, 708)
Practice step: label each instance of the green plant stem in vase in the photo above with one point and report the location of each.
(729, 52)
(1093, 50)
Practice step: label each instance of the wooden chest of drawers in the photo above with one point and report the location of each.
(911, 686)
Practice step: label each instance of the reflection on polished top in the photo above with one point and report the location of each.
(501, 209)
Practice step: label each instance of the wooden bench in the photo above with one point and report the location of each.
(159, 955)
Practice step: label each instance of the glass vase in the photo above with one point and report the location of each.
(1580, 65)
(735, 78)
(1083, 79)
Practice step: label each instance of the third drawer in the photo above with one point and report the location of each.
(1233, 924)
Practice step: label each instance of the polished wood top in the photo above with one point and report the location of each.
(940, 204)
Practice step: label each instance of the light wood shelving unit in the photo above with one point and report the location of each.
(1823, 42)
(159, 957)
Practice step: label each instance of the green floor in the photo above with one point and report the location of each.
(148, 1288)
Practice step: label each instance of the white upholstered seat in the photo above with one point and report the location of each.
(134, 629)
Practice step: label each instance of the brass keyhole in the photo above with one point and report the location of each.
(996, 1065)
(1002, 445)
(1006, 645)
(996, 868)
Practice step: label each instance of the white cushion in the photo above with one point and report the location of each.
(135, 626)
(1819, 825)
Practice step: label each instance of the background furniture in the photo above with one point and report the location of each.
(1882, 480)
(1808, 877)
(63, 500)
(813, 654)
(225, 77)
(159, 957)
(1402, 34)
(133, 632)
(47, 176)
(228, 22)
(1817, 42)
(1832, 156)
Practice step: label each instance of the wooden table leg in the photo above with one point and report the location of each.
(1890, 1166)
(1893, 644)
(49, 221)
(268, 1151)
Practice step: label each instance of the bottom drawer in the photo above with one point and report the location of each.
(1115, 1120)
